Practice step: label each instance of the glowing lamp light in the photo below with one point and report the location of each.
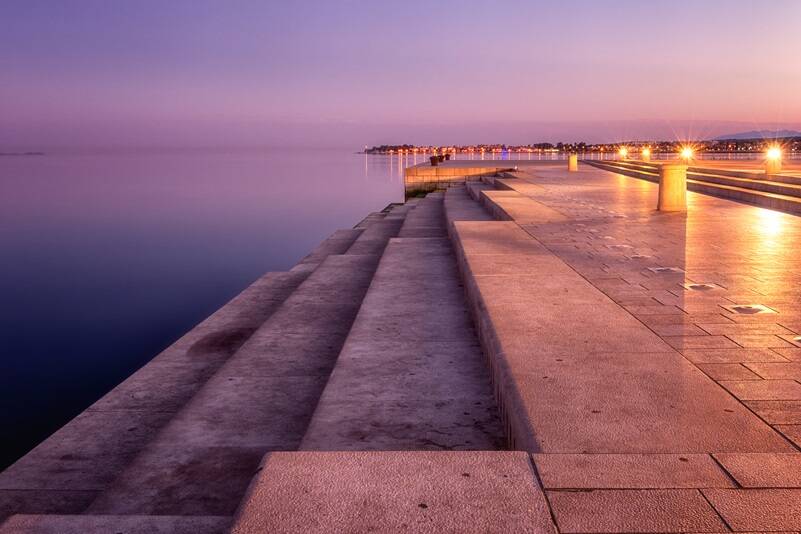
(623, 152)
(646, 152)
(687, 153)
(773, 163)
(774, 153)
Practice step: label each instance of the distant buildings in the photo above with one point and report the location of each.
(733, 145)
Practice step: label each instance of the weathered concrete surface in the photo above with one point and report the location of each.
(393, 492)
(116, 524)
(411, 375)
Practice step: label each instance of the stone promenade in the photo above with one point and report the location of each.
(538, 351)
(655, 357)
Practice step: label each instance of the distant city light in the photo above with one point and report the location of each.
(687, 153)
(774, 153)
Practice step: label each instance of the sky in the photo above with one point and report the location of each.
(354, 73)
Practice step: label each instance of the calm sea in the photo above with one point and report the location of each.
(108, 256)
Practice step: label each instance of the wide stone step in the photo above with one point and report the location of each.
(744, 192)
(426, 219)
(411, 374)
(576, 372)
(67, 471)
(399, 491)
(763, 185)
(459, 206)
(260, 400)
(114, 524)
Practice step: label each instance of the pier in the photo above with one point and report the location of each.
(516, 348)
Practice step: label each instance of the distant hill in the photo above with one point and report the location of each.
(759, 134)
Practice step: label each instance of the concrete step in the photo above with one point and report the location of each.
(411, 375)
(400, 491)
(575, 372)
(426, 219)
(67, 471)
(740, 179)
(114, 524)
(459, 206)
(709, 185)
(260, 400)
(785, 179)
(375, 236)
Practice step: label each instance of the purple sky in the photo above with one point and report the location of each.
(349, 73)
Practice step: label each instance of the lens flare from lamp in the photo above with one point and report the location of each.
(687, 153)
(623, 152)
(646, 152)
(774, 153)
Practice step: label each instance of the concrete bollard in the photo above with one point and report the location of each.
(672, 187)
(773, 166)
(572, 162)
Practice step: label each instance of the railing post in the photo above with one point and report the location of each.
(672, 187)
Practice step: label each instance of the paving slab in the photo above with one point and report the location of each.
(758, 510)
(395, 491)
(791, 432)
(791, 371)
(763, 470)
(777, 412)
(728, 371)
(699, 356)
(763, 389)
(630, 471)
(634, 511)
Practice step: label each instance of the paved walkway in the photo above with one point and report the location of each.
(687, 277)
(657, 366)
